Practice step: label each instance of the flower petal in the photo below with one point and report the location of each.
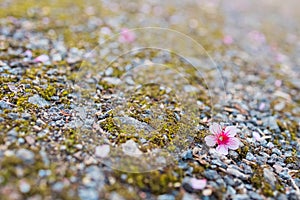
(198, 184)
(42, 58)
(210, 140)
(231, 131)
(256, 136)
(126, 36)
(215, 128)
(222, 149)
(233, 143)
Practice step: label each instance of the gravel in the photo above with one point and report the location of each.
(59, 144)
(211, 174)
(39, 101)
(26, 155)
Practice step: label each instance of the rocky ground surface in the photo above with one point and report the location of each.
(90, 110)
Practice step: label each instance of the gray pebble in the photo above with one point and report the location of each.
(241, 197)
(21, 140)
(166, 197)
(233, 154)
(12, 135)
(237, 173)
(230, 190)
(4, 105)
(88, 194)
(288, 153)
(219, 163)
(272, 159)
(250, 156)
(26, 155)
(109, 71)
(115, 196)
(26, 116)
(277, 151)
(221, 182)
(112, 80)
(254, 195)
(95, 173)
(211, 174)
(13, 116)
(187, 155)
(284, 174)
(58, 186)
(229, 180)
(271, 123)
(269, 176)
(282, 197)
(247, 168)
(188, 196)
(24, 187)
(37, 100)
(55, 98)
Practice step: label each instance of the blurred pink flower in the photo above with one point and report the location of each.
(126, 36)
(262, 106)
(227, 40)
(42, 58)
(278, 83)
(198, 184)
(257, 36)
(223, 137)
(280, 57)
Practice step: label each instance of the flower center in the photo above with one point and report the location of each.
(222, 138)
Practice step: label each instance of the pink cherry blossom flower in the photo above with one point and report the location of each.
(126, 36)
(198, 184)
(223, 137)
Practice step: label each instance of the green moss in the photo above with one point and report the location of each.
(292, 159)
(71, 138)
(262, 184)
(197, 169)
(48, 92)
(158, 182)
(243, 151)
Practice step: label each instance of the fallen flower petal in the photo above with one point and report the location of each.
(28, 53)
(42, 58)
(127, 36)
(227, 40)
(198, 184)
(256, 136)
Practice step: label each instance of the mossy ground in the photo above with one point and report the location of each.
(78, 24)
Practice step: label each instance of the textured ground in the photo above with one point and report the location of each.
(87, 114)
